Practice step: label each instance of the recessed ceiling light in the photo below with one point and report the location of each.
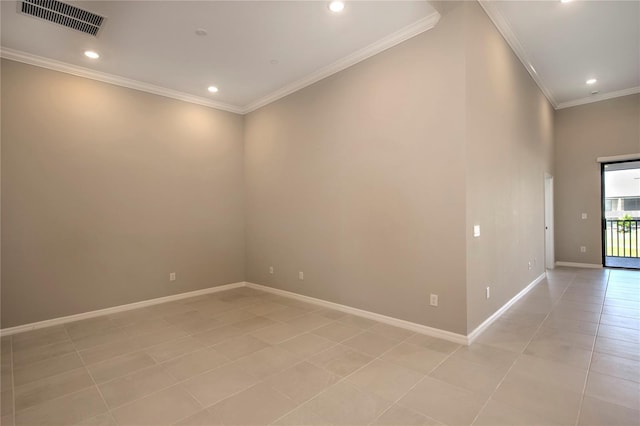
(592, 81)
(336, 6)
(91, 54)
(212, 89)
(565, 1)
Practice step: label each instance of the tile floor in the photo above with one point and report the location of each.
(568, 353)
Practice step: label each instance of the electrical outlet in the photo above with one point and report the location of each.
(271, 270)
(433, 300)
(301, 275)
(172, 276)
(584, 216)
(488, 294)
(529, 265)
(583, 249)
(476, 231)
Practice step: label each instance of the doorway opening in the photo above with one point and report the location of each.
(549, 251)
(621, 214)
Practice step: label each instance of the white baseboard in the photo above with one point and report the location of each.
(486, 323)
(407, 325)
(580, 265)
(115, 309)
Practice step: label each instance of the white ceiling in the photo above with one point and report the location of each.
(255, 51)
(568, 43)
(258, 51)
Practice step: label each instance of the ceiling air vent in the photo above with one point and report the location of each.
(63, 14)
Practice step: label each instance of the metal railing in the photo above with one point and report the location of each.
(621, 237)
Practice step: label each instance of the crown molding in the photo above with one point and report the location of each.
(381, 45)
(504, 28)
(385, 43)
(599, 97)
(39, 61)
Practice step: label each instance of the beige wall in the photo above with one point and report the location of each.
(105, 190)
(358, 181)
(582, 134)
(370, 181)
(509, 149)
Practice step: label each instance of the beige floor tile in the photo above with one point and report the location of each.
(302, 381)
(303, 415)
(232, 316)
(551, 372)
(612, 365)
(217, 335)
(306, 345)
(201, 418)
(496, 413)
(101, 338)
(619, 348)
(240, 346)
(40, 337)
(400, 416)
(120, 366)
(357, 321)
(513, 341)
(277, 333)
(41, 353)
(385, 379)
(257, 405)
(7, 420)
(87, 327)
(619, 333)
(174, 348)
(597, 412)
(341, 360)
(105, 419)
(6, 402)
(614, 390)
(330, 313)
(108, 351)
(309, 322)
(622, 312)
(534, 396)
(216, 385)
(433, 343)
(265, 307)
(620, 321)
(571, 325)
(267, 361)
(162, 335)
(559, 351)
(344, 404)
(134, 386)
(391, 332)
(414, 357)
(468, 375)
(286, 314)
(337, 331)
(370, 343)
(69, 409)
(162, 408)
(253, 324)
(49, 367)
(443, 402)
(43, 390)
(194, 363)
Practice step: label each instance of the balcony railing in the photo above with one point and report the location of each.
(622, 238)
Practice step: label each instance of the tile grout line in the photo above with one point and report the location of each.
(521, 352)
(104, 401)
(593, 346)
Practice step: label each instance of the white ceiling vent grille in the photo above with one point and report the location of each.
(63, 14)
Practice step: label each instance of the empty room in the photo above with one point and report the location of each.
(320, 212)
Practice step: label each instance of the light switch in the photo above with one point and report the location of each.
(584, 215)
(476, 231)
